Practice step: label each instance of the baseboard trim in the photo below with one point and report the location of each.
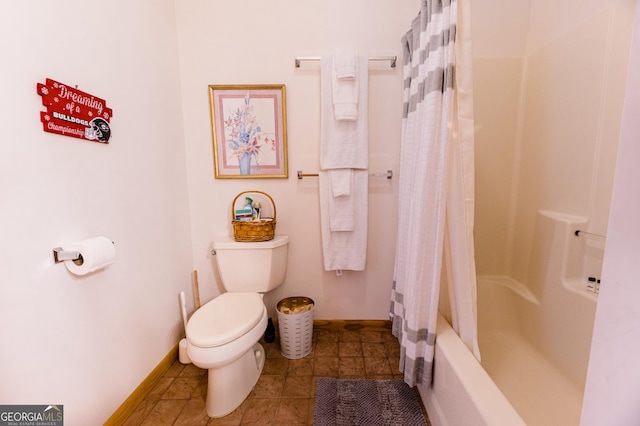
(352, 325)
(131, 403)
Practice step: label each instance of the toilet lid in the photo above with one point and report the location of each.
(225, 318)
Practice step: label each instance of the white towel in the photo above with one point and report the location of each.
(341, 201)
(345, 63)
(346, 250)
(344, 85)
(344, 144)
(340, 182)
(344, 179)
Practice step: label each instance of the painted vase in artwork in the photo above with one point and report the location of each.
(245, 164)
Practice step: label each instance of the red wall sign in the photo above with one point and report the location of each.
(71, 112)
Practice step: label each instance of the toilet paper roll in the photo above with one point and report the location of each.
(96, 253)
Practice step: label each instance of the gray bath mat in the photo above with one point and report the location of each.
(366, 403)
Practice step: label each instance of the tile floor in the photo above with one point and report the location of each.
(285, 392)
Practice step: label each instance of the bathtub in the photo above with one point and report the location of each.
(534, 340)
(462, 392)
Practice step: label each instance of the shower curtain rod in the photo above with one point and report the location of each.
(391, 59)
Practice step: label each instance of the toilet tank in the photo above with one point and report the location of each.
(251, 267)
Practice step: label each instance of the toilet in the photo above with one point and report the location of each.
(223, 335)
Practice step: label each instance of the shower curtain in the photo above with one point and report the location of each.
(436, 199)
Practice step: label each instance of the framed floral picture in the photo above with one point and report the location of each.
(249, 130)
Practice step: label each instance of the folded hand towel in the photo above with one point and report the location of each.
(344, 144)
(341, 211)
(345, 63)
(340, 182)
(345, 250)
(341, 201)
(344, 85)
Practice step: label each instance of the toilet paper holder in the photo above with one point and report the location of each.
(60, 255)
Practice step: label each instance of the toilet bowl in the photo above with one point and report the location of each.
(223, 335)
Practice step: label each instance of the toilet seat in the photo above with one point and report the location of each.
(224, 319)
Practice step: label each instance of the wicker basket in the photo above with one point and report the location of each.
(254, 230)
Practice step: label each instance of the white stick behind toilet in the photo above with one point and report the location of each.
(183, 357)
(183, 306)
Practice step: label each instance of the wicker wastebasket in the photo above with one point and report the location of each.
(295, 324)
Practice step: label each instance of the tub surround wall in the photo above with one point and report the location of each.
(497, 91)
(534, 339)
(558, 155)
(535, 336)
(549, 85)
(550, 102)
(560, 323)
(572, 104)
(537, 387)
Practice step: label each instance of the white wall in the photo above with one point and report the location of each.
(613, 380)
(221, 43)
(88, 342)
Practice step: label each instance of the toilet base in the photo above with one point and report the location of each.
(230, 385)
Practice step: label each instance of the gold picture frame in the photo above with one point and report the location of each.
(249, 129)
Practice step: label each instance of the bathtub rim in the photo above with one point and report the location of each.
(488, 403)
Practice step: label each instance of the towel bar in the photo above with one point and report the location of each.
(392, 59)
(388, 174)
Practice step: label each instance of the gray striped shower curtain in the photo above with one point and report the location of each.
(436, 200)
